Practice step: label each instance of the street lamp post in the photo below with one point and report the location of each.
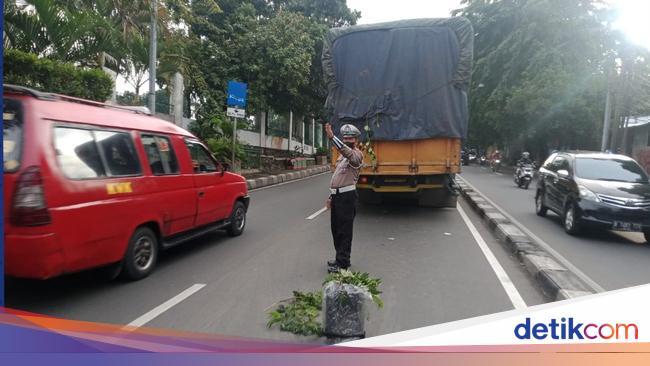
(607, 119)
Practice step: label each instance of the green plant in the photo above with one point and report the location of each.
(27, 69)
(359, 279)
(322, 151)
(300, 315)
(366, 146)
(221, 147)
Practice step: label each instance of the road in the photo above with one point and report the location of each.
(612, 260)
(432, 267)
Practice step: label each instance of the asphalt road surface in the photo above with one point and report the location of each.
(613, 260)
(434, 269)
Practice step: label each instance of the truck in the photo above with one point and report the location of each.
(404, 85)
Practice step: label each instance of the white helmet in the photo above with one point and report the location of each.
(350, 130)
(525, 155)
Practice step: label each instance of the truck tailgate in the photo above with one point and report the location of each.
(412, 157)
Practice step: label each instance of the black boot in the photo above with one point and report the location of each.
(332, 268)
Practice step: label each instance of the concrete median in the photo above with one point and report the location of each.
(285, 177)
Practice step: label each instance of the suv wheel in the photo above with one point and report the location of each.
(571, 219)
(237, 219)
(141, 255)
(540, 209)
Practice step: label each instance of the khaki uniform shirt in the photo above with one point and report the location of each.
(348, 167)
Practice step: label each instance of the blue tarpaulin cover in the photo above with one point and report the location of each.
(405, 80)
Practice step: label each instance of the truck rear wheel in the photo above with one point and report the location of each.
(437, 198)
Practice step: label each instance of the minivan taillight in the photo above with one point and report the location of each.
(28, 207)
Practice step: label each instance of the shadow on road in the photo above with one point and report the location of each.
(31, 295)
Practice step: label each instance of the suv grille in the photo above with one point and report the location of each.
(625, 202)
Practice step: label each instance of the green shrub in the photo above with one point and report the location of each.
(26, 69)
(221, 147)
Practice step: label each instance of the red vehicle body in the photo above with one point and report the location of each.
(88, 185)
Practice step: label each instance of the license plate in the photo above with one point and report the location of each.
(626, 226)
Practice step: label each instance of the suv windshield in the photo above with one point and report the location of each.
(616, 170)
(12, 132)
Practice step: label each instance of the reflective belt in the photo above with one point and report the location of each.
(342, 189)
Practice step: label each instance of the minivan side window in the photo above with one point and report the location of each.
(561, 163)
(160, 155)
(548, 164)
(12, 134)
(201, 160)
(119, 153)
(77, 153)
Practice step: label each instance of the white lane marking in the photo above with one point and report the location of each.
(155, 312)
(514, 296)
(594, 286)
(312, 216)
(289, 182)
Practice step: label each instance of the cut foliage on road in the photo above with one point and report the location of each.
(301, 314)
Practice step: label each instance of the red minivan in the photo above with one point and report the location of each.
(88, 184)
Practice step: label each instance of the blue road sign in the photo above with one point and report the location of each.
(237, 94)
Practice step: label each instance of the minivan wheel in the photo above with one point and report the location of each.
(141, 255)
(571, 219)
(540, 209)
(237, 219)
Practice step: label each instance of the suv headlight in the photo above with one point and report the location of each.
(587, 194)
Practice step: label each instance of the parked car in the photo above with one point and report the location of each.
(595, 189)
(88, 184)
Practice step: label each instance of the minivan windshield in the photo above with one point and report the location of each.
(12, 132)
(615, 170)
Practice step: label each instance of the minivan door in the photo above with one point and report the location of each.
(553, 191)
(211, 198)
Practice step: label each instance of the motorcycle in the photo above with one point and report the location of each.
(464, 158)
(524, 175)
(482, 161)
(471, 158)
(496, 165)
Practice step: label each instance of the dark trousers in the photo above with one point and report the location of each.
(344, 208)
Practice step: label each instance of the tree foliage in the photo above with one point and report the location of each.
(540, 76)
(274, 46)
(27, 69)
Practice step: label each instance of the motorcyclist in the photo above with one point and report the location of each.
(525, 159)
(496, 155)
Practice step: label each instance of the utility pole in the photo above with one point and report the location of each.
(628, 107)
(608, 118)
(152, 58)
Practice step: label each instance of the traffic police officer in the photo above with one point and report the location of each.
(343, 195)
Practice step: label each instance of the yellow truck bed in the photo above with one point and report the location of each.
(413, 157)
(419, 169)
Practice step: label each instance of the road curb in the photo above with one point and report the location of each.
(285, 177)
(556, 281)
